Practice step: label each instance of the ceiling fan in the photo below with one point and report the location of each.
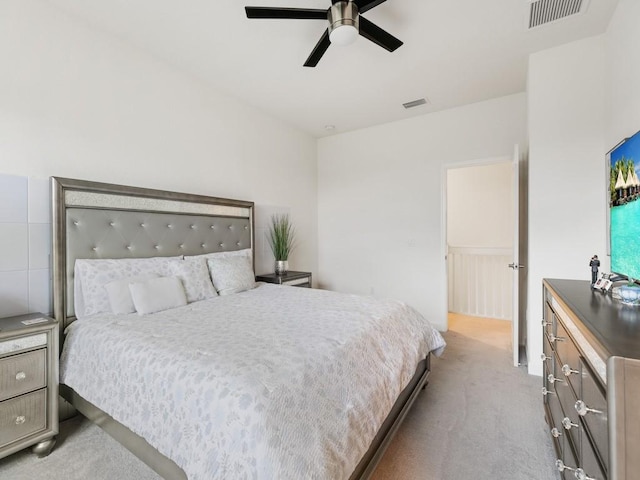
(345, 23)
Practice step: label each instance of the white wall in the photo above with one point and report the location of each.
(622, 43)
(78, 103)
(380, 199)
(583, 98)
(567, 223)
(480, 206)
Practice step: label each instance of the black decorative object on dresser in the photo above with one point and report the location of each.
(591, 384)
(28, 383)
(294, 279)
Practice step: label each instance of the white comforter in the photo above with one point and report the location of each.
(272, 383)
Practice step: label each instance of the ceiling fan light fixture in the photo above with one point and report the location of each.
(343, 23)
(343, 35)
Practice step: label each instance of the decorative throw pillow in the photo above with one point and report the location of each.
(195, 278)
(120, 296)
(232, 253)
(232, 273)
(157, 294)
(94, 274)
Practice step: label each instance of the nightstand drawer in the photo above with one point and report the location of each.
(22, 416)
(300, 282)
(22, 343)
(22, 373)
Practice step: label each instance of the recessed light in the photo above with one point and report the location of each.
(328, 128)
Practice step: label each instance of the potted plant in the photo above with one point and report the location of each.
(281, 238)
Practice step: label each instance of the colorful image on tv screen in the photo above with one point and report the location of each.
(624, 205)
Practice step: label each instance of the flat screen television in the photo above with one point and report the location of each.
(624, 207)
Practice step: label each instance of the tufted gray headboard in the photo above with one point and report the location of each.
(100, 220)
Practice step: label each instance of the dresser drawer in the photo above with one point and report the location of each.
(570, 418)
(550, 320)
(552, 401)
(22, 373)
(569, 358)
(596, 422)
(547, 349)
(589, 460)
(568, 459)
(22, 416)
(556, 430)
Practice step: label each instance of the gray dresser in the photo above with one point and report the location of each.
(591, 384)
(28, 384)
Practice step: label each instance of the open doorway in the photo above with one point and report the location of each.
(480, 231)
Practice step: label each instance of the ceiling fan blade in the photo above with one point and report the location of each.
(297, 13)
(318, 50)
(364, 5)
(372, 32)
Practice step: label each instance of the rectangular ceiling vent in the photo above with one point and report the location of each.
(542, 12)
(415, 103)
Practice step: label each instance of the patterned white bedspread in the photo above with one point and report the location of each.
(272, 383)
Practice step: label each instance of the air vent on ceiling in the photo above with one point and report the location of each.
(415, 103)
(542, 12)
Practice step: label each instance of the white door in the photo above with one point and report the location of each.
(515, 264)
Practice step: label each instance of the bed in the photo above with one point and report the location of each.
(262, 381)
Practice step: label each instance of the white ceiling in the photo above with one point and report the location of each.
(455, 52)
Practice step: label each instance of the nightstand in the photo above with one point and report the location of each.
(28, 384)
(294, 279)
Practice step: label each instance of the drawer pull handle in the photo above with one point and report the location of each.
(580, 475)
(546, 392)
(553, 338)
(553, 379)
(562, 467)
(545, 357)
(582, 408)
(20, 419)
(568, 424)
(555, 433)
(21, 376)
(567, 370)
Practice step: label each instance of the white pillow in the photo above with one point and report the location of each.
(195, 278)
(157, 294)
(119, 295)
(94, 274)
(232, 273)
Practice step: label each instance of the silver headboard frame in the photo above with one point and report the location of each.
(101, 220)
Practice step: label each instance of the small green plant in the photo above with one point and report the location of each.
(281, 236)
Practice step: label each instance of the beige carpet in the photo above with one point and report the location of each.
(479, 418)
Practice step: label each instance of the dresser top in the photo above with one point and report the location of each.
(615, 325)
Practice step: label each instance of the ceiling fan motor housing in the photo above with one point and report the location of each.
(343, 14)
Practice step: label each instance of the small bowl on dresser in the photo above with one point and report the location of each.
(630, 294)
